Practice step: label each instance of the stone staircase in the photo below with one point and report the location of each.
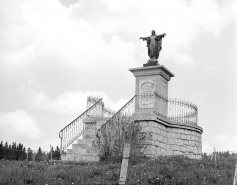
(85, 149)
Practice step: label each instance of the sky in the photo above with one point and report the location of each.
(54, 53)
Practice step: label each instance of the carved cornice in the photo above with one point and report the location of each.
(152, 70)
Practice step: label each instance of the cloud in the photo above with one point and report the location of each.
(18, 124)
(55, 31)
(72, 102)
(52, 57)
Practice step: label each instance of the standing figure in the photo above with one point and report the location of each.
(153, 45)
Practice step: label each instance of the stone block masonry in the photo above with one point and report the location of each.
(170, 138)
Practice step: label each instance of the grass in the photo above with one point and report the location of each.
(161, 171)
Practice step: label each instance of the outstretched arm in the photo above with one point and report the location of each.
(145, 38)
(160, 36)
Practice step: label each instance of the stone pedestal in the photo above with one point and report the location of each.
(166, 137)
(149, 80)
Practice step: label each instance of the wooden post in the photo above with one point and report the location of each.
(212, 155)
(215, 154)
(27, 156)
(124, 166)
(33, 154)
(235, 176)
(51, 152)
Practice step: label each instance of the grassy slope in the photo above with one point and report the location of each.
(174, 170)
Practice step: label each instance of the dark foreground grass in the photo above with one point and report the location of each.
(161, 171)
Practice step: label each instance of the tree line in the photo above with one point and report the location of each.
(16, 151)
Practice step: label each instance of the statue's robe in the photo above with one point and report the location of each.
(154, 46)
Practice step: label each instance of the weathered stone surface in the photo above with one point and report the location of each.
(157, 143)
(163, 152)
(178, 142)
(185, 142)
(171, 141)
(178, 135)
(152, 124)
(176, 152)
(192, 137)
(154, 150)
(188, 137)
(143, 123)
(146, 129)
(69, 151)
(175, 147)
(172, 135)
(154, 137)
(165, 140)
(183, 136)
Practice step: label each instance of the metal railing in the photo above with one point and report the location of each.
(113, 130)
(173, 109)
(177, 110)
(127, 110)
(182, 111)
(105, 112)
(95, 111)
(75, 129)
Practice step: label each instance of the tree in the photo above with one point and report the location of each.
(13, 151)
(30, 154)
(39, 155)
(56, 154)
(1, 150)
(20, 152)
(6, 145)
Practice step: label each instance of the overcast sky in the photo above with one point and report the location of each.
(55, 53)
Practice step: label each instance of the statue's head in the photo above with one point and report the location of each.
(153, 32)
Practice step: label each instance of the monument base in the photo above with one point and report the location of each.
(155, 63)
(171, 138)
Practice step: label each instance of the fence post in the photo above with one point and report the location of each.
(33, 154)
(235, 176)
(27, 155)
(215, 154)
(51, 152)
(124, 166)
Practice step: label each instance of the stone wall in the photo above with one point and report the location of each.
(170, 138)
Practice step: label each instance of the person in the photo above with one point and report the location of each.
(153, 45)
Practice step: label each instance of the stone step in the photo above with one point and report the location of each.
(84, 148)
(83, 141)
(69, 150)
(76, 157)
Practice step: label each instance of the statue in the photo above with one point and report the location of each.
(154, 46)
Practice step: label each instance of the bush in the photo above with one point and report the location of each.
(115, 134)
